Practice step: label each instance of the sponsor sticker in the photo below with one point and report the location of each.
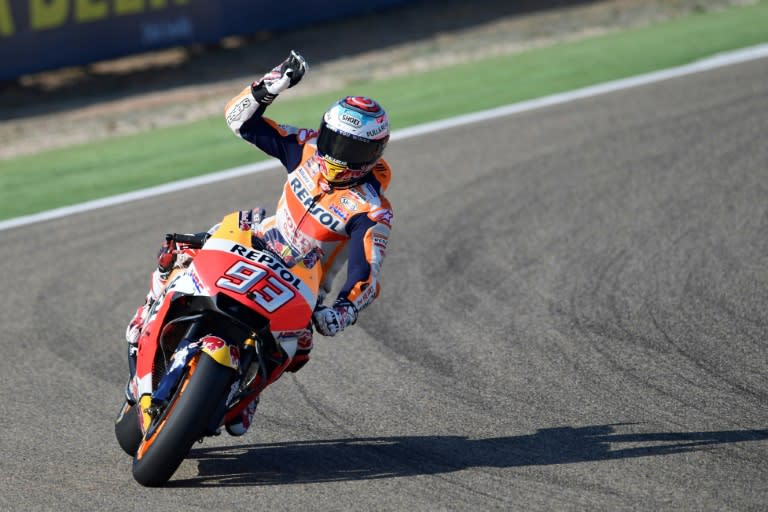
(234, 356)
(315, 210)
(351, 118)
(245, 220)
(338, 211)
(288, 335)
(237, 110)
(212, 343)
(384, 216)
(378, 130)
(305, 134)
(367, 294)
(380, 241)
(349, 204)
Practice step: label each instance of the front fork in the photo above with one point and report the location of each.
(152, 404)
(256, 366)
(186, 349)
(132, 352)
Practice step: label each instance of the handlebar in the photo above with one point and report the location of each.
(194, 241)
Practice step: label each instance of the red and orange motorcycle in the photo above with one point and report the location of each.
(224, 328)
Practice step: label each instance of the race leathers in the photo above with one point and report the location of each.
(315, 224)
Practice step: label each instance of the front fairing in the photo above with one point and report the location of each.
(256, 279)
(228, 265)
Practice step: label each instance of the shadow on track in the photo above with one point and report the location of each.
(388, 457)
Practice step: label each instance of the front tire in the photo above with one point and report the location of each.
(184, 421)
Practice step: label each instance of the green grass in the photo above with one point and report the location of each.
(68, 176)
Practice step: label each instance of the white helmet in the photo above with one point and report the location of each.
(351, 139)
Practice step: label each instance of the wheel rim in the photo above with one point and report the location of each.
(156, 426)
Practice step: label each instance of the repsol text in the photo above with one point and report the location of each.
(268, 261)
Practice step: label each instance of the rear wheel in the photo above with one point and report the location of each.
(184, 421)
(127, 429)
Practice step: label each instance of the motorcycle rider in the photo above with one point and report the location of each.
(332, 210)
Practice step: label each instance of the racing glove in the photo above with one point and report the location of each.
(174, 255)
(329, 321)
(167, 255)
(282, 77)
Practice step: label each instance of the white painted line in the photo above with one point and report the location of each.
(139, 194)
(716, 61)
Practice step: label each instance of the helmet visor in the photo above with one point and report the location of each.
(354, 152)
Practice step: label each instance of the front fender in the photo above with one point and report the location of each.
(217, 348)
(221, 351)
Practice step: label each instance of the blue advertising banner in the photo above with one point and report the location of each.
(37, 35)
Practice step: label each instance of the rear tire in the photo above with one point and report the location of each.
(127, 429)
(185, 420)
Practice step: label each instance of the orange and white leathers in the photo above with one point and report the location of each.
(316, 224)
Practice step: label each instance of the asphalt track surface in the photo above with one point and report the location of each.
(573, 318)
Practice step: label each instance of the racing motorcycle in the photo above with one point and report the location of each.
(224, 328)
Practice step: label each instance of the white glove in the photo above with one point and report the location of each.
(275, 83)
(282, 77)
(330, 321)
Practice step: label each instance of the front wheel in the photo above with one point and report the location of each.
(185, 420)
